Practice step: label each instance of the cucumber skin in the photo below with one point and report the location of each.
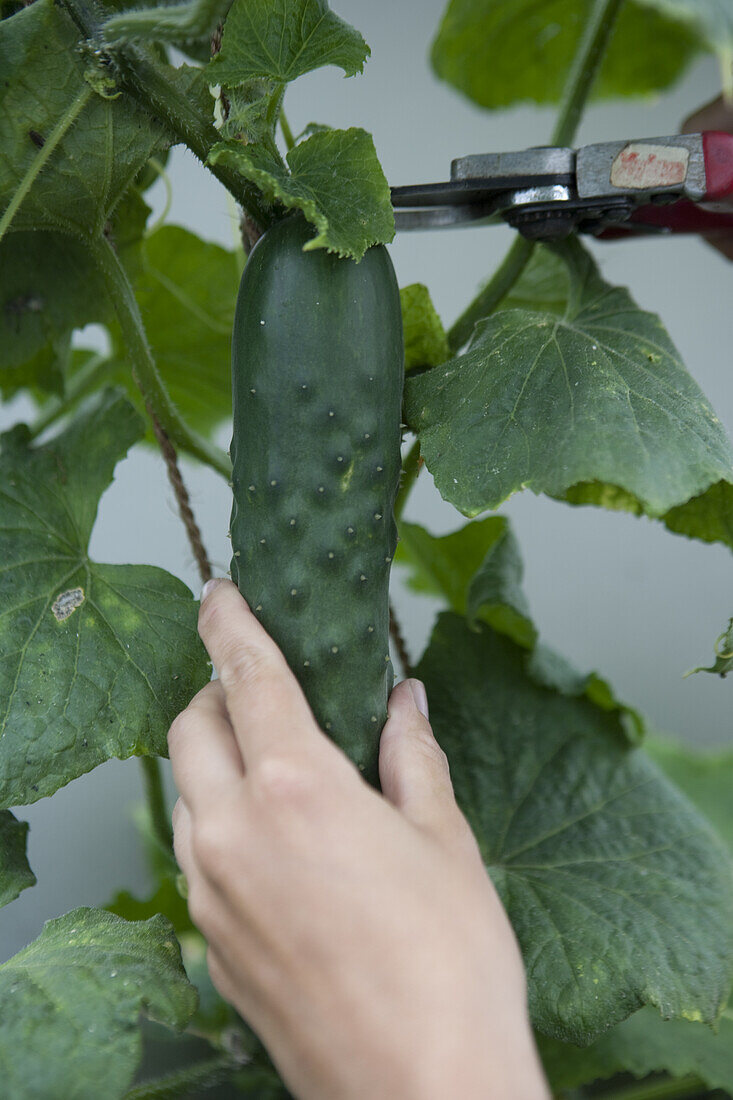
(317, 378)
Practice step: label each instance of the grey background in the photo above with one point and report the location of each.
(609, 591)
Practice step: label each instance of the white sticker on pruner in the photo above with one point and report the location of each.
(642, 166)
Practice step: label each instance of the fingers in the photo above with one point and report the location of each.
(267, 709)
(203, 750)
(716, 115)
(413, 769)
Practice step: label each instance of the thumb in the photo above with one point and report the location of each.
(413, 769)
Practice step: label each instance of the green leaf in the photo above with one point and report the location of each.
(95, 660)
(280, 40)
(579, 406)
(15, 874)
(705, 777)
(723, 663)
(72, 1000)
(426, 344)
(501, 52)
(477, 570)
(644, 1044)
(101, 152)
(186, 289)
(618, 890)
(335, 179)
(165, 899)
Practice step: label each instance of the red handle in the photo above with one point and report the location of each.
(717, 149)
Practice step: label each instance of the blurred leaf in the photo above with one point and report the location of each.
(76, 994)
(335, 178)
(15, 874)
(502, 52)
(477, 570)
(426, 344)
(580, 406)
(618, 890)
(165, 900)
(706, 777)
(710, 20)
(644, 1044)
(95, 660)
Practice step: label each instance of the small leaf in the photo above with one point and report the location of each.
(95, 660)
(644, 1044)
(72, 999)
(723, 663)
(477, 570)
(426, 344)
(335, 179)
(592, 406)
(501, 52)
(618, 890)
(280, 40)
(15, 874)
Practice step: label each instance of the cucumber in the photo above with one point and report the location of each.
(317, 375)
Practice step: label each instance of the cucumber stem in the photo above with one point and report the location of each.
(674, 1088)
(85, 381)
(410, 470)
(144, 371)
(155, 798)
(583, 71)
(183, 1082)
(286, 131)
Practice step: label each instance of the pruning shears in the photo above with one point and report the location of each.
(613, 189)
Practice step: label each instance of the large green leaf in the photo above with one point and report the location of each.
(426, 344)
(15, 874)
(336, 180)
(618, 890)
(95, 660)
(500, 52)
(644, 1044)
(477, 570)
(280, 40)
(592, 405)
(71, 1001)
(186, 289)
(101, 152)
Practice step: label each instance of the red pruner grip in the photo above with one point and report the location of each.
(679, 184)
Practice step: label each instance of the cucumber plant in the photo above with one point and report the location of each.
(610, 847)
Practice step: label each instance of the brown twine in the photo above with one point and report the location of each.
(397, 637)
(184, 501)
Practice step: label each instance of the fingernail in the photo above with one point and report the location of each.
(209, 587)
(419, 695)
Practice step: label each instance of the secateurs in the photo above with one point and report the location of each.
(678, 184)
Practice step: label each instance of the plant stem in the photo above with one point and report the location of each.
(148, 80)
(586, 63)
(155, 796)
(410, 469)
(84, 381)
(144, 370)
(181, 1083)
(67, 120)
(675, 1088)
(500, 283)
(286, 131)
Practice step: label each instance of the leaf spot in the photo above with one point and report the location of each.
(66, 603)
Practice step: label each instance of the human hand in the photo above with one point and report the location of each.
(716, 115)
(357, 933)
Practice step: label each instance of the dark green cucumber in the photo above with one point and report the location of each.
(317, 373)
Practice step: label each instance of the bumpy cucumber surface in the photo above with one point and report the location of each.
(317, 374)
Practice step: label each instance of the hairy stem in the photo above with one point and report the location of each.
(675, 1088)
(586, 63)
(144, 370)
(85, 381)
(500, 283)
(286, 131)
(148, 81)
(185, 1082)
(410, 469)
(185, 511)
(63, 125)
(155, 797)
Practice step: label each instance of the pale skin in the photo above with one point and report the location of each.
(358, 933)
